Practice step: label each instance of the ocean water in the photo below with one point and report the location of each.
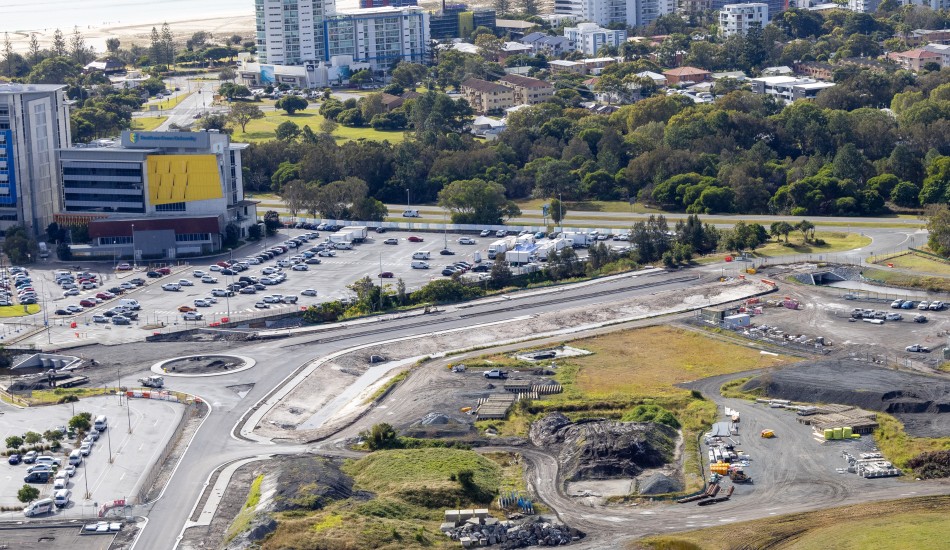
(46, 15)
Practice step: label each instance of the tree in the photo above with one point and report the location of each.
(807, 229)
(14, 442)
(19, 246)
(215, 121)
(77, 48)
(905, 194)
(529, 7)
(557, 211)
(380, 436)
(938, 225)
(54, 70)
(361, 77)
(271, 222)
(477, 201)
(112, 45)
(168, 45)
(81, 422)
(35, 52)
(328, 126)
(291, 104)
(781, 229)
(287, 131)
(227, 73)
(334, 199)
(8, 55)
(27, 493)
(500, 274)
(242, 113)
(231, 90)
(408, 74)
(64, 252)
(155, 54)
(59, 44)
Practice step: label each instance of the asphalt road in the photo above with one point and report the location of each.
(279, 358)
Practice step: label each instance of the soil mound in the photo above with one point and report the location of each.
(920, 401)
(310, 482)
(437, 424)
(604, 449)
(658, 484)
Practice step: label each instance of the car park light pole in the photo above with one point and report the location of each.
(133, 247)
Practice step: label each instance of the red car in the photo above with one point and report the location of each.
(164, 270)
(105, 295)
(386, 275)
(414, 239)
(123, 267)
(87, 303)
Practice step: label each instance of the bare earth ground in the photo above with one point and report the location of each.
(325, 382)
(210, 536)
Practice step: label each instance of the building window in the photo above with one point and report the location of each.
(192, 237)
(173, 207)
(114, 240)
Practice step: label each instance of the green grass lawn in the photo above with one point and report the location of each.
(918, 262)
(172, 102)
(918, 523)
(265, 128)
(149, 123)
(908, 280)
(591, 206)
(17, 310)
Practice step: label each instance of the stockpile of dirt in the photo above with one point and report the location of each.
(921, 402)
(437, 424)
(310, 482)
(658, 484)
(604, 449)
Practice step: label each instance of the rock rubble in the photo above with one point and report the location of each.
(511, 534)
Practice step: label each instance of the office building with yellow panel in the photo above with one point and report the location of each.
(156, 182)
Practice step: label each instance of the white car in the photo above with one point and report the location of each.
(270, 270)
(326, 253)
(171, 287)
(309, 292)
(210, 299)
(209, 279)
(85, 449)
(202, 303)
(466, 240)
(60, 483)
(198, 273)
(271, 300)
(191, 316)
(261, 305)
(71, 292)
(100, 319)
(215, 268)
(300, 267)
(185, 282)
(253, 261)
(70, 469)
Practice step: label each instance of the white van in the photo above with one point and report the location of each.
(129, 303)
(420, 265)
(410, 213)
(421, 255)
(75, 457)
(39, 507)
(101, 423)
(61, 498)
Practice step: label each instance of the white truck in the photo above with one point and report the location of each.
(498, 247)
(578, 240)
(357, 233)
(340, 237)
(44, 250)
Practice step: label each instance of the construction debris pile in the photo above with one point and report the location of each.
(477, 532)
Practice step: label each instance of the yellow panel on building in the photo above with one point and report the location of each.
(183, 178)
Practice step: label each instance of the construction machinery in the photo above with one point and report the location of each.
(738, 476)
(153, 381)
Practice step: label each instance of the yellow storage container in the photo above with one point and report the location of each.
(838, 433)
(846, 432)
(829, 433)
(720, 468)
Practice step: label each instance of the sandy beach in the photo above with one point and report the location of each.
(139, 33)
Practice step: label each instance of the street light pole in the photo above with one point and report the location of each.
(133, 247)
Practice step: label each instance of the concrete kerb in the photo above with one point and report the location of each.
(217, 492)
(263, 406)
(159, 368)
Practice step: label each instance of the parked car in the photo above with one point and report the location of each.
(123, 267)
(894, 317)
(466, 240)
(917, 348)
(483, 268)
(208, 279)
(262, 305)
(447, 252)
(88, 303)
(300, 267)
(202, 303)
(501, 233)
(185, 282)
(30, 457)
(896, 304)
(153, 274)
(920, 319)
(100, 319)
(907, 304)
(386, 275)
(308, 292)
(923, 306)
(171, 287)
(192, 316)
(14, 459)
(485, 233)
(121, 320)
(415, 239)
